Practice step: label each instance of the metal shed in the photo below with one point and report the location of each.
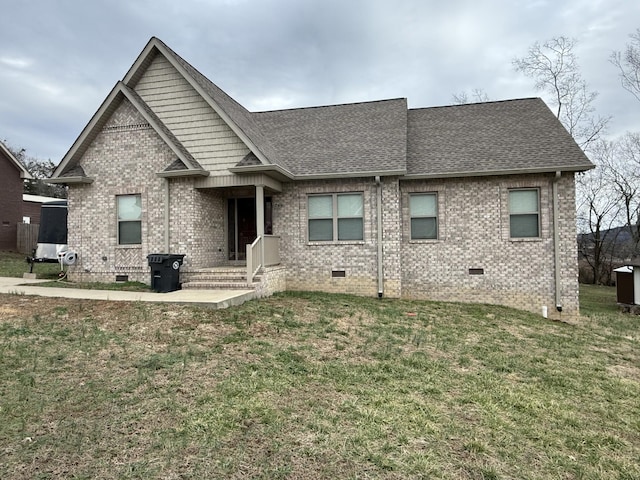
(628, 282)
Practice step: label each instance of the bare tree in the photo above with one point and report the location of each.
(477, 95)
(623, 169)
(554, 67)
(628, 63)
(598, 209)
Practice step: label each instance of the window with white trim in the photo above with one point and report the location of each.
(129, 219)
(338, 216)
(524, 213)
(423, 210)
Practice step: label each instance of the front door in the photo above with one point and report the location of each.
(242, 226)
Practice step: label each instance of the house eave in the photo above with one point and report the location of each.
(338, 175)
(494, 173)
(183, 173)
(71, 180)
(274, 171)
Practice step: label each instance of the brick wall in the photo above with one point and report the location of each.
(310, 264)
(474, 234)
(197, 224)
(473, 230)
(10, 203)
(124, 159)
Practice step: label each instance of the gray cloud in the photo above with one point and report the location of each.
(59, 59)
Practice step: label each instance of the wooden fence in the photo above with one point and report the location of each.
(27, 237)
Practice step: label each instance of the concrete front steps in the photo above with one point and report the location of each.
(219, 278)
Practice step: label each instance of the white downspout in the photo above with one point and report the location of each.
(166, 216)
(556, 241)
(380, 237)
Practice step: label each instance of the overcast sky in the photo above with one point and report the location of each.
(60, 58)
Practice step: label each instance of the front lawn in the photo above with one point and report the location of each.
(315, 386)
(15, 265)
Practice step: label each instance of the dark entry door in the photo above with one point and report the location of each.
(242, 226)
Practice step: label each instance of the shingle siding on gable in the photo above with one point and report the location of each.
(194, 123)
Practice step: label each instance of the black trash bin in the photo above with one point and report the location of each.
(165, 271)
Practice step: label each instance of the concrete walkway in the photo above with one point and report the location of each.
(209, 298)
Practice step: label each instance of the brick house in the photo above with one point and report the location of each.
(471, 203)
(12, 175)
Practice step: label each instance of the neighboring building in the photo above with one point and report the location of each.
(31, 206)
(471, 203)
(12, 175)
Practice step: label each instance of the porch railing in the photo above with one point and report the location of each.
(254, 254)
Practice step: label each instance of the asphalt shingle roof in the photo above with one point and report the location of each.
(339, 139)
(490, 137)
(369, 138)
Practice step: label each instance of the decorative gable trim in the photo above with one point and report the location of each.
(99, 119)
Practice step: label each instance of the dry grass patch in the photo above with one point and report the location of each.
(314, 386)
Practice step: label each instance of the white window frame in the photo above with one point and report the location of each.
(536, 212)
(119, 221)
(335, 217)
(412, 216)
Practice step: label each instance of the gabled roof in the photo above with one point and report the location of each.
(235, 115)
(512, 136)
(69, 172)
(24, 173)
(359, 139)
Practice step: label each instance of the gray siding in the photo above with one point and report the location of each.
(200, 129)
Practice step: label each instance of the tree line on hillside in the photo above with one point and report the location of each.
(608, 197)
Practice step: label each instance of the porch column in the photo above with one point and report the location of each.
(260, 218)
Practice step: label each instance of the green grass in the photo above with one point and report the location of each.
(305, 385)
(127, 286)
(14, 265)
(595, 299)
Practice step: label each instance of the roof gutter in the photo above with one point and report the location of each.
(379, 173)
(183, 173)
(263, 169)
(319, 176)
(70, 180)
(491, 173)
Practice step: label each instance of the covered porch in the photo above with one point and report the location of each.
(250, 244)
